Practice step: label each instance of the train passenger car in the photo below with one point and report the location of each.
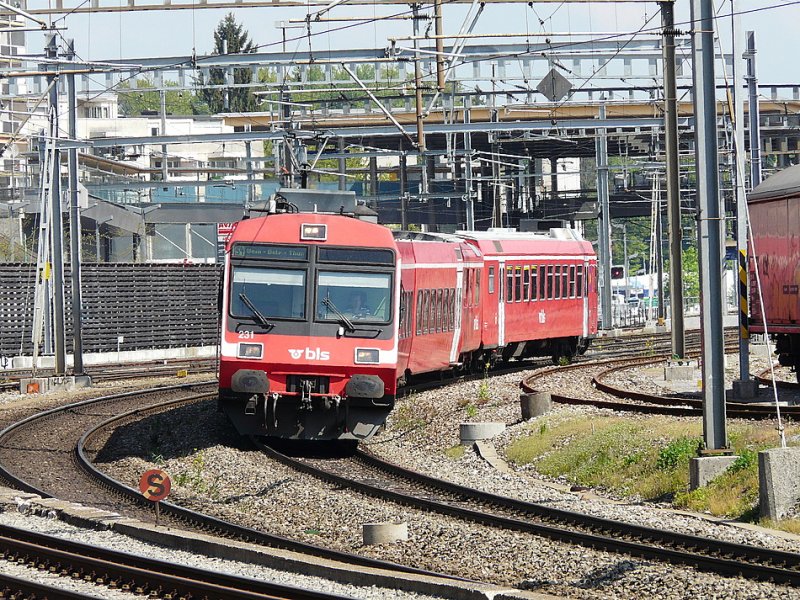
(775, 246)
(539, 293)
(324, 315)
(309, 326)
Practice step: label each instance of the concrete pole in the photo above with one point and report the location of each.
(755, 120)
(603, 224)
(74, 226)
(373, 175)
(673, 183)
(710, 225)
(51, 51)
(741, 196)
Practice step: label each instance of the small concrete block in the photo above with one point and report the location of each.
(384, 533)
(681, 370)
(535, 404)
(704, 469)
(34, 385)
(778, 481)
(472, 432)
(744, 390)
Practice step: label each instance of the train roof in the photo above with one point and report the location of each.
(780, 185)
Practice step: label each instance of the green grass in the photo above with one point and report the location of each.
(647, 458)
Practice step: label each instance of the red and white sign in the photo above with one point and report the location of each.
(155, 485)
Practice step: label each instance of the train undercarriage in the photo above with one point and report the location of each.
(787, 347)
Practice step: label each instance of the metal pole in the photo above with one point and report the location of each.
(251, 190)
(419, 108)
(468, 167)
(403, 193)
(755, 121)
(437, 10)
(74, 226)
(710, 225)
(673, 183)
(51, 51)
(164, 172)
(603, 223)
(342, 166)
(659, 253)
(741, 196)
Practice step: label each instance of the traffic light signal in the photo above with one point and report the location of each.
(617, 272)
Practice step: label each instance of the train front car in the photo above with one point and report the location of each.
(309, 327)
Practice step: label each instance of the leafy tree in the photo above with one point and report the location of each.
(146, 100)
(230, 38)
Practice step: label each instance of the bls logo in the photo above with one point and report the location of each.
(315, 354)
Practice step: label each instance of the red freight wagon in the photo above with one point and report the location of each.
(775, 246)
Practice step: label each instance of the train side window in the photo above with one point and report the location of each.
(518, 284)
(542, 282)
(443, 308)
(572, 281)
(534, 282)
(565, 281)
(478, 275)
(403, 315)
(526, 283)
(419, 312)
(467, 286)
(491, 280)
(439, 310)
(549, 282)
(453, 294)
(557, 282)
(426, 328)
(458, 303)
(579, 281)
(509, 284)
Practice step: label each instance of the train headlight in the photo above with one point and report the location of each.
(309, 231)
(367, 356)
(251, 350)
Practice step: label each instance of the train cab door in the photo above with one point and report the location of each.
(590, 296)
(490, 305)
(456, 344)
(583, 288)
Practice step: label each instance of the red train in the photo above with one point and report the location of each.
(324, 315)
(775, 220)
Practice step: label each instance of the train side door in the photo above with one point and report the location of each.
(500, 303)
(583, 291)
(489, 304)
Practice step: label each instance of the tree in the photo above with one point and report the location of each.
(230, 38)
(146, 100)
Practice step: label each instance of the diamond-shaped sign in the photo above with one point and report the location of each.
(554, 86)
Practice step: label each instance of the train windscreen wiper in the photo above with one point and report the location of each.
(260, 318)
(328, 303)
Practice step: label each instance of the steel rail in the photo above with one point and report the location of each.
(140, 574)
(762, 563)
(212, 524)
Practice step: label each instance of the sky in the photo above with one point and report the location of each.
(175, 33)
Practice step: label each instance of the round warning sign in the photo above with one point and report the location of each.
(154, 485)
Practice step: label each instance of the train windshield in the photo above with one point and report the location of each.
(276, 293)
(359, 296)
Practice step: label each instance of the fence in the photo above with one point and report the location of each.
(145, 305)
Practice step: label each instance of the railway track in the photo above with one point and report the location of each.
(158, 368)
(120, 571)
(373, 476)
(51, 454)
